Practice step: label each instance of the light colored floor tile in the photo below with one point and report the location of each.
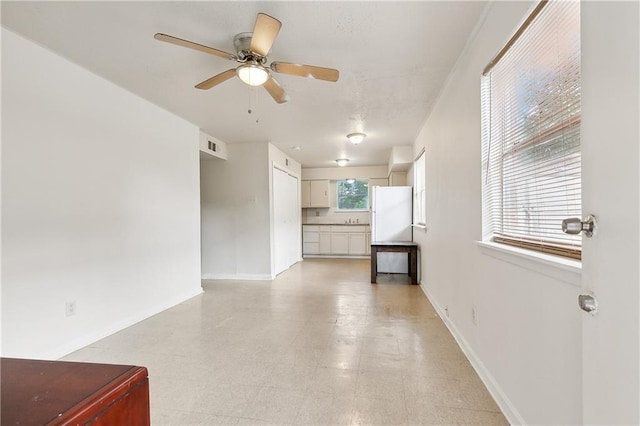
(334, 381)
(279, 406)
(422, 412)
(378, 412)
(347, 358)
(381, 362)
(377, 385)
(321, 408)
(380, 345)
(318, 345)
(288, 376)
(444, 392)
(186, 418)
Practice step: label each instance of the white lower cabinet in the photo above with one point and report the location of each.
(368, 243)
(325, 243)
(338, 240)
(310, 240)
(339, 243)
(357, 244)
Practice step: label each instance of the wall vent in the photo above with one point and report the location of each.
(212, 146)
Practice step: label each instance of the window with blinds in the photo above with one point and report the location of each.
(530, 93)
(419, 191)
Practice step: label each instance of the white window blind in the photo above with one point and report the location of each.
(531, 173)
(419, 200)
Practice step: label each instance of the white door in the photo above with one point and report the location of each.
(286, 220)
(280, 217)
(294, 230)
(610, 164)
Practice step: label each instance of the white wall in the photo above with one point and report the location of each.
(237, 206)
(334, 173)
(527, 340)
(100, 205)
(236, 214)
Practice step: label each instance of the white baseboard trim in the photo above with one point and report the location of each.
(93, 337)
(336, 256)
(508, 408)
(240, 277)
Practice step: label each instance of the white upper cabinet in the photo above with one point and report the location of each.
(315, 193)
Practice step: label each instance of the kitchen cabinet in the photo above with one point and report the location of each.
(315, 193)
(357, 243)
(339, 243)
(310, 239)
(368, 243)
(324, 246)
(336, 240)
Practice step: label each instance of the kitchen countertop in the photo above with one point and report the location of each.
(336, 224)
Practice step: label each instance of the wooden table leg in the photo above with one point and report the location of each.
(374, 264)
(413, 265)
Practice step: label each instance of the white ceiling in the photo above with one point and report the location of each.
(393, 58)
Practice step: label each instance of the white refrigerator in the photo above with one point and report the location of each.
(391, 218)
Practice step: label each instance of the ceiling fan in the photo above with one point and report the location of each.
(251, 52)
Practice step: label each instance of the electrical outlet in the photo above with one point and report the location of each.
(474, 314)
(70, 308)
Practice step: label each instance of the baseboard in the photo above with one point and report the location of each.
(506, 406)
(336, 256)
(240, 277)
(93, 337)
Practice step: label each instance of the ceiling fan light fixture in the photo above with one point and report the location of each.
(356, 138)
(252, 74)
(342, 162)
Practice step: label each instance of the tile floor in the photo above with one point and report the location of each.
(318, 345)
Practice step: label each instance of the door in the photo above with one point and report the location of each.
(610, 190)
(286, 220)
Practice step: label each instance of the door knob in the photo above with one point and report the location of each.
(574, 225)
(588, 303)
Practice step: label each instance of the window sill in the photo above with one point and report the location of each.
(422, 228)
(565, 270)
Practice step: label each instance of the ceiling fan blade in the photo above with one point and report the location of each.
(217, 79)
(265, 31)
(192, 45)
(275, 90)
(320, 73)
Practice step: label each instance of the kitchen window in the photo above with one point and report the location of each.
(352, 194)
(530, 95)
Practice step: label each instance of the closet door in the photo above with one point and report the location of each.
(286, 220)
(294, 234)
(280, 219)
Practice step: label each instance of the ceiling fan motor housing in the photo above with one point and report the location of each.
(242, 42)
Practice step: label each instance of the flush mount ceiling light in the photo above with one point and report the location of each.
(356, 138)
(342, 162)
(252, 73)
